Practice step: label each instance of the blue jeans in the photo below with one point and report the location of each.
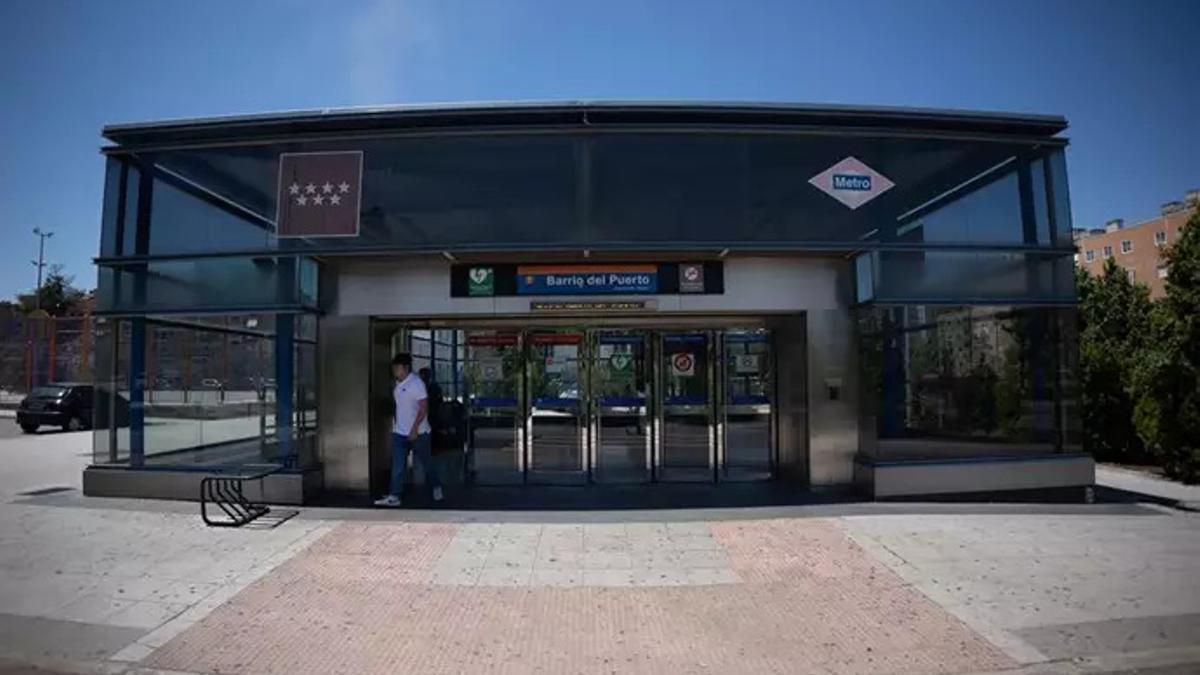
(423, 449)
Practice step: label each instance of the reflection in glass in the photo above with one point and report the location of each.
(953, 381)
(748, 405)
(620, 379)
(207, 394)
(492, 367)
(555, 402)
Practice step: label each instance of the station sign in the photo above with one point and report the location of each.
(586, 279)
(496, 280)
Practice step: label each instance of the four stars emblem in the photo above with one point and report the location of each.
(318, 194)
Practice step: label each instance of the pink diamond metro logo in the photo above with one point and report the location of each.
(851, 182)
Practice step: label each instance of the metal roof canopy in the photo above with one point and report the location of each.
(578, 114)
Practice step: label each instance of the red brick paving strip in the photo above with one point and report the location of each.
(357, 602)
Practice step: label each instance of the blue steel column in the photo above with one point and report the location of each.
(137, 392)
(285, 326)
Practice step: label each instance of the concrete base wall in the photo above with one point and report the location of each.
(282, 488)
(880, 479)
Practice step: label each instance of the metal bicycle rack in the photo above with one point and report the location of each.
(226, 493)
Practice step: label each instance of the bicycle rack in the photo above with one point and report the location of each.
(225, 492)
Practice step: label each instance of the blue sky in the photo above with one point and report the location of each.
(1124, 74)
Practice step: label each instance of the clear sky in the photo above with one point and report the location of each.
(1125, 74)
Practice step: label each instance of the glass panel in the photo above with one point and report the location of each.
(943, 382)
(864, 278)
(492, 372)
(686, 445)
(925, 276)
(667, 187)
(199, 284)
(556, 405)
(1041, 213)
(112, 199)
(208, 395)
(132, 185)
(749, 401)
(416, 191)
(989, 215)
(620, 387)
(1057, 165)
(183, 223)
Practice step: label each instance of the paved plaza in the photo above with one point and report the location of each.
(125, 586)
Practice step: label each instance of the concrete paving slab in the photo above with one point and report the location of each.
(37, 639)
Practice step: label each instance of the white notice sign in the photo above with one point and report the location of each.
(491, 370)
(745, 364)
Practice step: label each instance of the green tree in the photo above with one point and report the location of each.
(59, 297)
(1114, 318)
(1166, 375)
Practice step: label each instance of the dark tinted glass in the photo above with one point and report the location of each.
(181, 222)
(989, 215)
(966, 276)
(417, 192)
(1061, 206)
(667, 188)
(112, 200)
(129, 232)
(961, 381)
(550, 191)
(202, 284)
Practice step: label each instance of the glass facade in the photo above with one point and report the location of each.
(616, 190)
(207, 392)
(960, 272)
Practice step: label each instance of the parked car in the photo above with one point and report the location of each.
(69, 405)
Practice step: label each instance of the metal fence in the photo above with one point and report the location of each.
(37, 350)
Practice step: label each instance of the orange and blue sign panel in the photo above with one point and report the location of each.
(586, 279)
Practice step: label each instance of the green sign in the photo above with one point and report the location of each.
(482, 281)
(621, 363)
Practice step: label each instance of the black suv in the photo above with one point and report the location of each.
(61, 404)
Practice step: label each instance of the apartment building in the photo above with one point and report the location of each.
(1137, 248)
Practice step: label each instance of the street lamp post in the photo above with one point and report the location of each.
(39, 264)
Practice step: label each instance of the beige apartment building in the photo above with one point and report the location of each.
(1137, 248)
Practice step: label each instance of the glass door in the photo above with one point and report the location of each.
(556, 422)
(492, 375)
(686, 448)
(748, 427)
(621, 376)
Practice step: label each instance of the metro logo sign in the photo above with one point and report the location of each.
(843, 181)
(851, 182)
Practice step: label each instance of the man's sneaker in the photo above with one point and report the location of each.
(390, 501)
(437, 493)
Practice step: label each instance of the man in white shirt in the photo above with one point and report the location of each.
(410, 431)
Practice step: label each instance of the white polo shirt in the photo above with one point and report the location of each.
(408, 395)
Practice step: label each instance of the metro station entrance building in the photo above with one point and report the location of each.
(605, 293)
